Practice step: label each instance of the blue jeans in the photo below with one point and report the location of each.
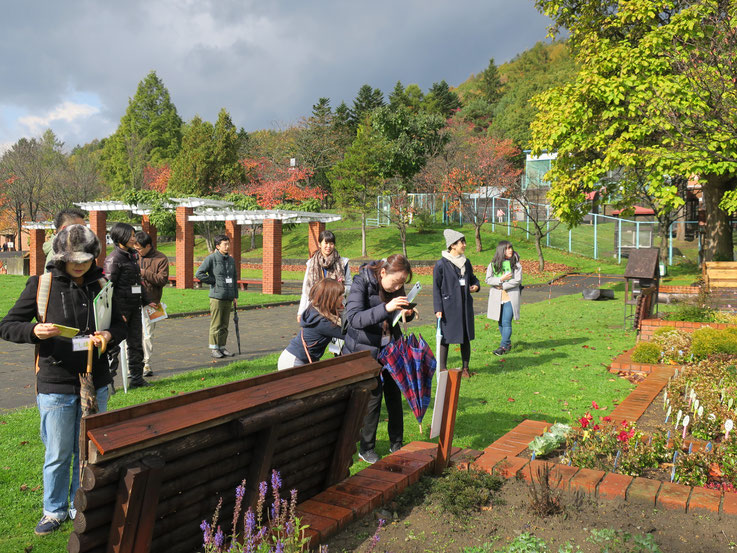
(505, 324)
(60, 418)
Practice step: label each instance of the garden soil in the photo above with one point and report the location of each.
(415, 525)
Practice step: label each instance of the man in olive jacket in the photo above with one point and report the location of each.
(219, 271)
(154, 276)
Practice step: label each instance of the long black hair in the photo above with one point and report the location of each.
(500, 256)
(120, 233)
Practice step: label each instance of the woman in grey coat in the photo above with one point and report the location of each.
(504, 275)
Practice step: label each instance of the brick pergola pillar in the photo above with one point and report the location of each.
(147, 227)
(98, 225)
(185, 248)
(272, 256)
(233, 232)
(313, 235)
(38, 259)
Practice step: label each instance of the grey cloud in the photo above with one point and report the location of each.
(263, 61)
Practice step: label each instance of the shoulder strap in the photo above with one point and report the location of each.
(304, 345)
(42, 295)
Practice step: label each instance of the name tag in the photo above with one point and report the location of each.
(228, 280)
(82, 343)
(135, 289)
(462, 281)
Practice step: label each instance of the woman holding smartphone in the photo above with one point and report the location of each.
(376, 297)
(504, 275)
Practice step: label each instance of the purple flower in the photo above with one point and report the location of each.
(240, 491)
(219, 538)
(206, 533)
(279, 547)
(250, 523)
(275, 480)
(262, 489)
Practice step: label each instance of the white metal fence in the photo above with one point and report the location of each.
(598, 236)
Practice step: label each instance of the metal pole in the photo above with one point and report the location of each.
(596, 234)
(493, 211)
(619, 242)
(637, 234)
(670, 243)
(547, 226)
(509, 217)
(569, 240)
(476, 210)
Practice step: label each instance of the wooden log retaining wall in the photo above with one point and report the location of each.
(154, 471)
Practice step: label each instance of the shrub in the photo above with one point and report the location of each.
(709, 341)
(691, 312)
(725, 317)
(462, 492)
(423, 222)
(646, 352)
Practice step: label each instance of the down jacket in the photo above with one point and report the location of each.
(317, 332)
(121, 268)
(57, 366)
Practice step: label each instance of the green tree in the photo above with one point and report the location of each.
(442, 100)
(410, 97)
(193, 172)
(227, 146)
(357, 179)
(645, 98)
(150, 132)
(367, 100)
(490, 84)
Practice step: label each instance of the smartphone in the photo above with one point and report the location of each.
(412, 294)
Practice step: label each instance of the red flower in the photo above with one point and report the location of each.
(623, 436)
(594, 405)
(606, 419)
(624, 423)
(585, 420)
(595, 427)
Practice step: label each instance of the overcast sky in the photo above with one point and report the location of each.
(72, 65)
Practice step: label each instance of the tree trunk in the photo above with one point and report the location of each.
(718, 244)
(477, 235)
(403, 237)
(364, 251)
(664, 234)
(19, 239)
(539, 247)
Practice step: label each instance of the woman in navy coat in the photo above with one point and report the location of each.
(453, 283)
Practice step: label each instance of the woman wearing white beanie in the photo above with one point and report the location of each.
(453, 283)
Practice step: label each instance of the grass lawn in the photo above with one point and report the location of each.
(554, 371)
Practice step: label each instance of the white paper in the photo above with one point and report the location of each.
(81, 343)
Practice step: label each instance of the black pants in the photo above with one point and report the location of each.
(393, 397)
(465, 354)
(134, 339)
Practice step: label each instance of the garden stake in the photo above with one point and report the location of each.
(665, 398)
(708, 447)
(686, 420)
(678, 418)
(668, 436)
(649, 440)
(690, 448)
(532, 458)
(721, 398)
(667, 416)
(730, 403)
(700, 411)
(616, 459)
(728, 425)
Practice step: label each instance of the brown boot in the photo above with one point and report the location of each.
(465, 373)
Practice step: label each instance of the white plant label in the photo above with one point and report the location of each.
(667, 414)
(728, 426)
(686, 420)
(701, 411)
(665, 398)
(696, 405)
(678, 417)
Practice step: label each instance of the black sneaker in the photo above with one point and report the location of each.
(138, 384)
(369, 456)
(500, 351)
(217, 354)
(47, 525)
(395, 447)
(226, 353)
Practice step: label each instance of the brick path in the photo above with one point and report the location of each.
(180, 344)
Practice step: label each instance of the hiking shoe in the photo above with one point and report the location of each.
(226, 353)
(395, 447)
(138, 384)
(369, 456)
(147, 371)
(500, 351)
(217, 354)
(47, 525)
(465, 372)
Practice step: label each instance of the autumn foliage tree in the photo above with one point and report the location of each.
(274, 184)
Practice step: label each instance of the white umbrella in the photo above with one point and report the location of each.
(123, 357)
(441, 380)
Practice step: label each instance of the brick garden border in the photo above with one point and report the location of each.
(649, 326)
(503, 457)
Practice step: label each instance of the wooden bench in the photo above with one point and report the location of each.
(242, 283)
(152, 472)
(720, 274)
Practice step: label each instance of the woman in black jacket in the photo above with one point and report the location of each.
(320, 323)
(453, 282)
(122, 269)
(377, 293)
(70, 286)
